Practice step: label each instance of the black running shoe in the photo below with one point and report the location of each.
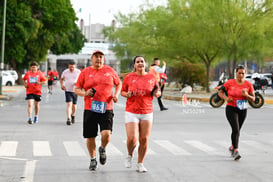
(68, 122)
(93, 165)
(30, 121)
(102, 155)
(72, 119)
(236, 155)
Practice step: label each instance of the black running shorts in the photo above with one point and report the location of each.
(91, 121)
(37, 98)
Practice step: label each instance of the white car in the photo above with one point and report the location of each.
(13, 74)
(7, 79)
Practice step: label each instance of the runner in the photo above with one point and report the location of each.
(33, 81)
(50, 76)
(69, 77)
(139, 87)
(95, 83)
(239, 92)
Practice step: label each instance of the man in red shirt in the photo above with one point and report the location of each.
(33, 81)
(50, 80)
(95, 83)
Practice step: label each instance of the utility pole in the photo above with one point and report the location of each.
(3, 45)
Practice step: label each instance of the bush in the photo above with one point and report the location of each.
(186, 73)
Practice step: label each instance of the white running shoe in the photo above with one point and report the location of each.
(141, 168)
(128, 161)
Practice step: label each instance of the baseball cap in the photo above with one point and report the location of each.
(72, 62)
(97, 51)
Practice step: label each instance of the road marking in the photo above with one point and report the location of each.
(73, 148)
(8, 148)
(41, 148)
(29, 171)
(111, 150)
(203, 147)
(174, 149)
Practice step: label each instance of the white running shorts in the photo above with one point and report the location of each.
(131, 117)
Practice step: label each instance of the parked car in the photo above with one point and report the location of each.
(267, 76)
(7, 79)
(13, 73)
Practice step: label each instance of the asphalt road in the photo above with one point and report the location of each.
(189, 142)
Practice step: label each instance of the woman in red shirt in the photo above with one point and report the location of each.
(239, 92)
(139, 87)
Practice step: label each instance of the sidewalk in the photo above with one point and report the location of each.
(8, 92)
(202, 96)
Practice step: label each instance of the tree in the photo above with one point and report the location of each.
(34, 26)
(198, 31)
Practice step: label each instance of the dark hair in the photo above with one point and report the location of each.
(134, 59)
(33, 63)
(239, 67)
(155, 59)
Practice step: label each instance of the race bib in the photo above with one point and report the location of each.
(33, 79)
(98, 107)
(241, 104)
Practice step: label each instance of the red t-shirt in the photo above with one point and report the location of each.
(235, 91)
(51, 75)
(32, 79)
(141, 87)
(103, 81)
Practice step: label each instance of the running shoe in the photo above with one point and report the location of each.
(102, 155)
(231, 150)
(236, 155)
(93, 165)
(72, 119)
(128, 161)
(141, 168)
(29, 121)
(68, 122)
(35, 120)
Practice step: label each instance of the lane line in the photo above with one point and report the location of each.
(29, 171)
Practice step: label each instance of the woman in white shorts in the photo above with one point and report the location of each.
(139, 87)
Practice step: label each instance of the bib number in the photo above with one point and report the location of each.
(33, 79)
(98, 107)
(241, 104)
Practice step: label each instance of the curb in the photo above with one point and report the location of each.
(5, 97)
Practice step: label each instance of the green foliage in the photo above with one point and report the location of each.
(199, 31)
(36, 26)
(187, 73)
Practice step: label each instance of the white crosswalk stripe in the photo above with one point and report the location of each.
(73, 148)
(186, 148)
(41, 148)
(203, 147)
(8, 148)
(174, 149)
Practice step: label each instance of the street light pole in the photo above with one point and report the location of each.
(3, 45)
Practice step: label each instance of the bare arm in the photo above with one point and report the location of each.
(117, 92)
(249, 96)
(222, 94)
(62, 83)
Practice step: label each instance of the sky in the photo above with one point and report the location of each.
(102, 11)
